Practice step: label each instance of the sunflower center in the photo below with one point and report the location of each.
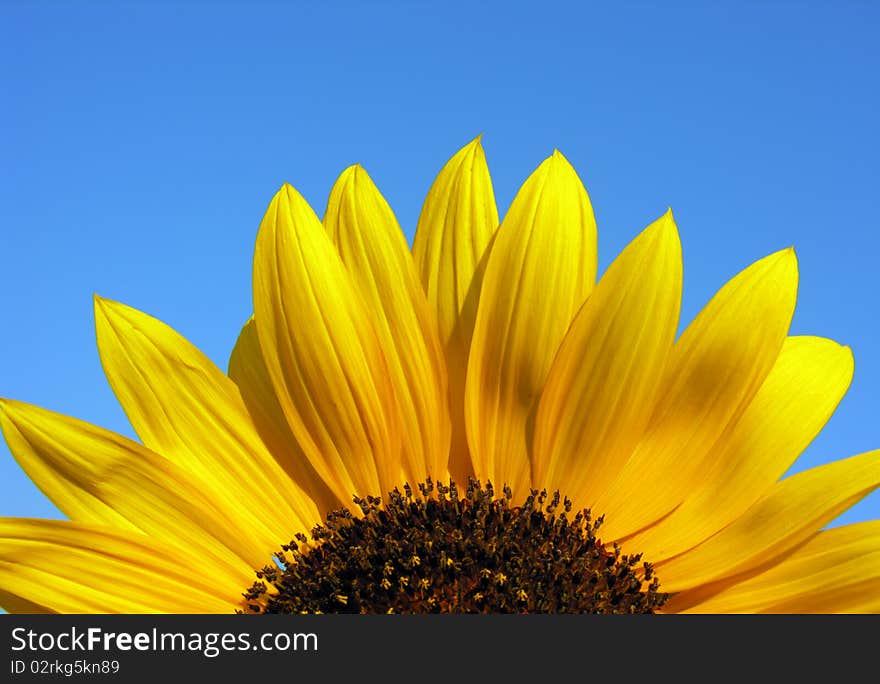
(446, 551)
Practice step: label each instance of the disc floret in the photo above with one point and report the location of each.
(447, 551)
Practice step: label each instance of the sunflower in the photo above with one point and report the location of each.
(473, 425)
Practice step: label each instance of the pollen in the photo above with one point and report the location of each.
(446, 550)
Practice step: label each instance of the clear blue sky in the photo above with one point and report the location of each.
(141, 143)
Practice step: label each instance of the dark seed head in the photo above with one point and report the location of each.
(447, 551)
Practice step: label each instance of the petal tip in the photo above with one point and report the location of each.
(554, 164)
(664, 229)
(107, 306)
(99, 302)
(781, 261)
(471, 152)
(359, 174)
(287, 193)
(354, 184)
(11, 409)
(560, 163)
(349, 173)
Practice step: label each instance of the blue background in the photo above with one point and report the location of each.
(140, 145)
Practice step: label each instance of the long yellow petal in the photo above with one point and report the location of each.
(90, 473)
(790, 513)
(541, 268)
(69, 567)
(369, 240)
(604, 382)
(715, 369)
(248, 370)
(322, 353)
(838, 571)
(798, 397)
(184, 407)
(454, 232)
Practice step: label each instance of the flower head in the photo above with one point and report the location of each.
(473, 425)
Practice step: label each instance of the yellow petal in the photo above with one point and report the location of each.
(69, 567)
(837, 571)
(184, 407)
(604, 381)
(541, 268)
(322, 353)
(364, 230)
(454, 231)
(99, 477)
(791, 512)
(798, 397)
(714, 371)
(457, 222)
(248, 370)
